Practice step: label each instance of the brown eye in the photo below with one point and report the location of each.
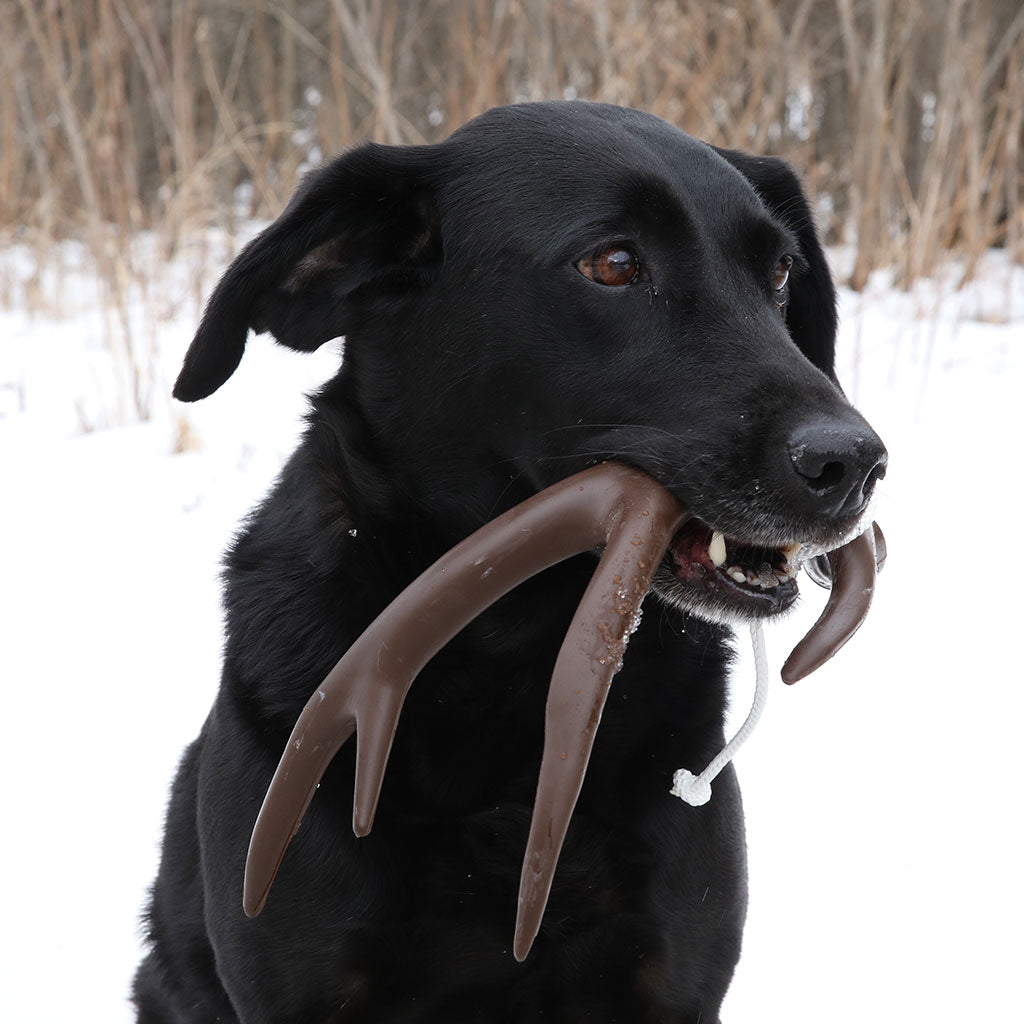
(614, 266)
(782, 269)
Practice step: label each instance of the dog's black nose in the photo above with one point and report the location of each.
(837, 464)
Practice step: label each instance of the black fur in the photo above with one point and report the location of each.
(480, 366)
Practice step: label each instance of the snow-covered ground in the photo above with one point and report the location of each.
(883, 793)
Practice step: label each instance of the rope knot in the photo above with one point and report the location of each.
(693, 789)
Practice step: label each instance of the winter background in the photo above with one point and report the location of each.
(882, 793)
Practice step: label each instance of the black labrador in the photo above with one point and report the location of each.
(556, 285)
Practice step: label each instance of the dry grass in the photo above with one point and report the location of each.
(906, 117)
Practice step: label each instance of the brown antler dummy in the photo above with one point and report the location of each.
(634, 519)
(622, 509)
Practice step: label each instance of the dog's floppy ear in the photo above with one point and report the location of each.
(367, 216)
(811, 313)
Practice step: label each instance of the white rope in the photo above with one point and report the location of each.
(696, 789)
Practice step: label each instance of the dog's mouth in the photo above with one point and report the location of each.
(708, 567)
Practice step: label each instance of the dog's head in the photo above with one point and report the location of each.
(559, 284)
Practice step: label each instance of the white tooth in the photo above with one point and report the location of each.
(789, 552)
(737, 574)
(716, 549)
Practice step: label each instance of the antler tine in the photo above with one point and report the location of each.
(590, 656)
(375, 731)
(322, 730)
(854, 566)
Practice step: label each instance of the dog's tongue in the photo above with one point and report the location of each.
(621, 509)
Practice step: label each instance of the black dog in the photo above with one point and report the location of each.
(554, 286)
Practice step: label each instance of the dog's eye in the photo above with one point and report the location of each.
(782, 269)
(614, 266)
